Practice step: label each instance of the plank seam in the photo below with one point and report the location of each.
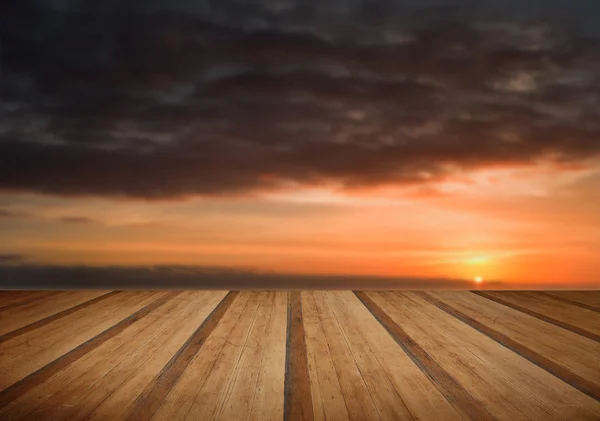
(44, 373)
(546, 364)
(297, 397)
(572, 302)
(151, 399)
(541, 316)
(57, 316)
(467, 405)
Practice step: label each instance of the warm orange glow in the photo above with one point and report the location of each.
(478, 280)
(514, 231)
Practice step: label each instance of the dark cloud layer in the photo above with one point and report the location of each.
(7, 213)
(11, 258)
(77, 220)
(197, 277)
(162, 99)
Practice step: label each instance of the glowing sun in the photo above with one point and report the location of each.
(478, 279)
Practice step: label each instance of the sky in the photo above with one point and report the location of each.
(430, 139)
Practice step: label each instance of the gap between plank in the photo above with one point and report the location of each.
(44, 373)
(146, 404)
(297, 398)
(43, 322)
(469, 407)
(540, 316)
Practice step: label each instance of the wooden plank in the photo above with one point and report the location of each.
(54, 317)
(153, 396)
(565, 299)
(11, 300)
(117, 391)
(469, 407)
(66, 386)
(268, 399)
(359, 399)
(588, 298)
(31, 351)
(508, 385)
(298, 400)
(380, 358)
(41, 307)
(178, 402)
(586, 386)
(581, 321)
(243, 385)
(321, 371)
(213, 393)
(37, 377)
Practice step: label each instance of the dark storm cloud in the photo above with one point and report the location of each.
(198, 277)
(11, 258)
(7, 213)
(162, 99)
(77, 220)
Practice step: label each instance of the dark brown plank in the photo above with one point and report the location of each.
(550, 366)
(150, 400)
(297, 398)
(37, 377)
(569, 301)
(469, 407)
(54, 317)
(548, 319)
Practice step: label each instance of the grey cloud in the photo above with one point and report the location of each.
(160, 100)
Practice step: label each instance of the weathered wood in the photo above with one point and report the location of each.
(468, 406)
(310, 355)
(150, 400)
(24, 385)
(57, 316)
(589, 388)
(547, 318)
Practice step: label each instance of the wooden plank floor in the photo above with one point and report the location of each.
(310, 355)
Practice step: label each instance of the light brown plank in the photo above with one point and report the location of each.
(43, 322)
(366, 334)
(321, 370)
(77, 349)
(42, 307)
(587, 298)
(71, 382)
(155, 355)
(468, 406)
(243, 385)
(178, 402)
(508, 385)
(156, 391)
(571, 357)
(212, 395)
(579, 320)
(268, 400)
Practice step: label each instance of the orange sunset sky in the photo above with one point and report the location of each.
(537, 224)
(443, 139)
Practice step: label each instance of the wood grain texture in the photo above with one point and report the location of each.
(468, 406)
(310, 355)
(570, 319)
(588, 387)
(153, 396)
(588, 298)
(56, 316)
(37, 377)
(508, 385)
(565, 299)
